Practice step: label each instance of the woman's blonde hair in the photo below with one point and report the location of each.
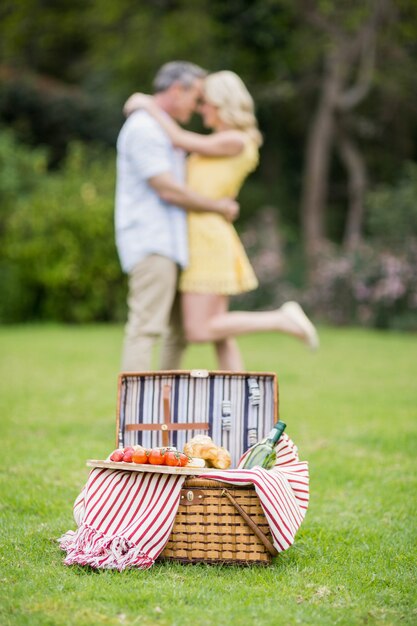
(228, 93)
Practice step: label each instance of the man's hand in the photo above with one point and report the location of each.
(137, 101)
(229, 208)
(172, 191)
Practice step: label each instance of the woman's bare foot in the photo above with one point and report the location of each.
(299, 324)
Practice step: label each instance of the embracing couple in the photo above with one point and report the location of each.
(174, 217)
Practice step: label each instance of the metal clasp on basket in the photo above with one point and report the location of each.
(191, 496)
(199, 373)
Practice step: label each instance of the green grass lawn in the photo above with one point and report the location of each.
(352, 411)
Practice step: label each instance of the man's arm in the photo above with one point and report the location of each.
(227, 143)
(171, 191)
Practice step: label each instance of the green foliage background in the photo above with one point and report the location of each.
(67, 67)
(59, 260)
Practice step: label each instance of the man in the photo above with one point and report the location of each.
(151, 204)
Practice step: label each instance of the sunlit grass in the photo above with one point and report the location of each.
(352, 411)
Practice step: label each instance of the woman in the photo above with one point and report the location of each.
(218, 266)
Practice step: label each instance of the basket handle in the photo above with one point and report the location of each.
(258, 532)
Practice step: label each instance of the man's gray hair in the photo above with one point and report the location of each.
(177, 71)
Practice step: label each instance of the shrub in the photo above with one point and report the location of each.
(371, 286)
(375, 285)
(59, 245)
(21, 170)
(392, 210)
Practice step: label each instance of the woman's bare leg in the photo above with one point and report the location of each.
(202, 322)
(198, 310)
(228, 355)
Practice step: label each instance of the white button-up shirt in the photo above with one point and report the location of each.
(144, 223)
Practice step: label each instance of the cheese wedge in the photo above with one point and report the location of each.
(196, 462)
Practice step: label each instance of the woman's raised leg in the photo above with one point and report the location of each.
(203, 322)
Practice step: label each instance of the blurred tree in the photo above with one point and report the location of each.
(49, 36)
(349, 39)
(131, 40)
(46, 111)
(44, 51)
(357, 43)
(288, 53)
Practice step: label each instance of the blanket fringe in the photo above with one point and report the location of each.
(87, 546)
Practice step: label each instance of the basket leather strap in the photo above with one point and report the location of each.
(258, 532)
(167, 424)
(167, 414)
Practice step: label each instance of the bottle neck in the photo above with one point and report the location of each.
(276, 432)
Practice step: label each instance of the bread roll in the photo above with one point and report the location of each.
(203, 447)
(223, 460)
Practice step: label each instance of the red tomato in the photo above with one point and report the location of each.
(128, 455)
(117, 456)
(140, 455)
(173, 458)
(157, 456)
(184, 458)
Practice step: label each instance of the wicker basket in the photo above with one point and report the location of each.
(216, 522)
(219, 523)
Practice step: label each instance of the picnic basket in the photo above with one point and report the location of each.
(219, 523)
(216, 522)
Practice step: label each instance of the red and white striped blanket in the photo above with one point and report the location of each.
(125, 518)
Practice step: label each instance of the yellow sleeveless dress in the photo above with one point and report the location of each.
(217, 260)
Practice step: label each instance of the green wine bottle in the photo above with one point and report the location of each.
(263, 453)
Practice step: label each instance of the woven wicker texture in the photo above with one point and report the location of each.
(209, 529)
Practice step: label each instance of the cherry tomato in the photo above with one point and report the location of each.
(173, 458)
(140, 455)
(117, 456)
(184, 458)
(157, 456)
(128, 455)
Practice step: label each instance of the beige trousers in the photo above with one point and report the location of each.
(154, 312)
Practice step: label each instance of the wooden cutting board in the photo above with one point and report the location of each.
(156, 469)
